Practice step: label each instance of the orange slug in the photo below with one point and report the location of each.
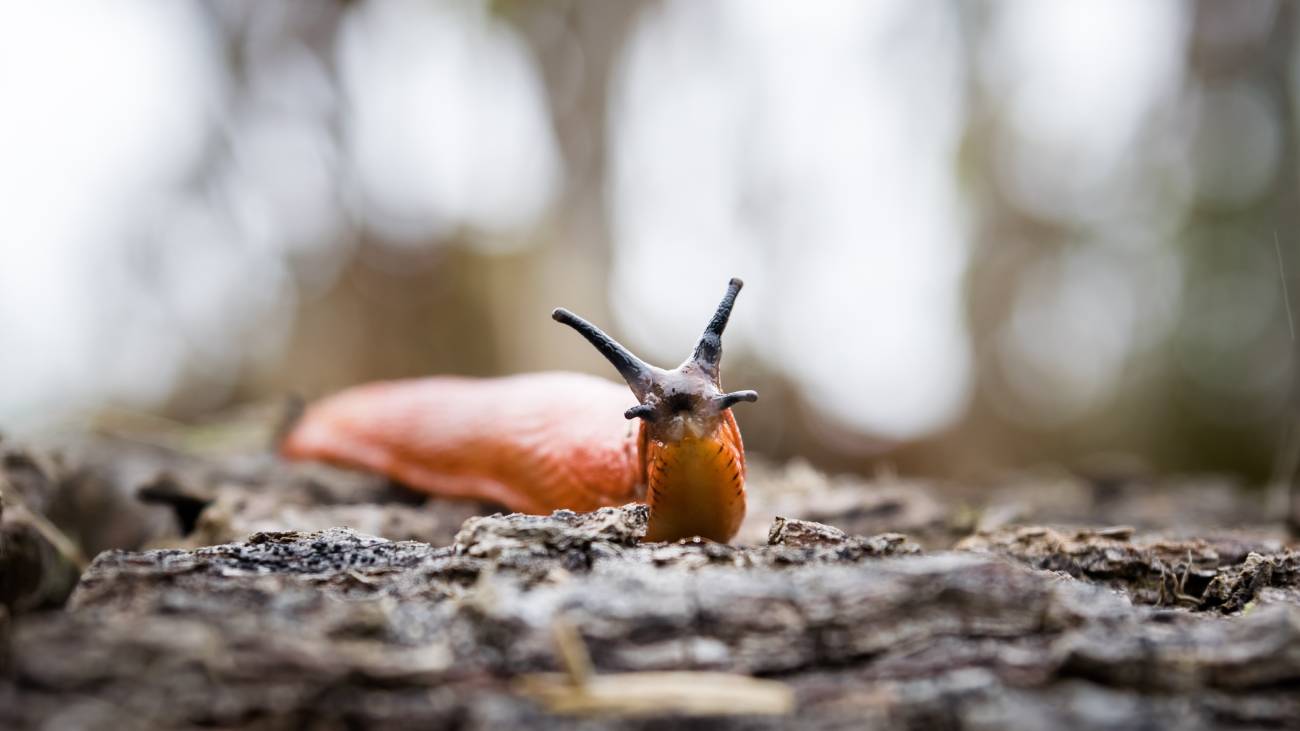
(540, 442)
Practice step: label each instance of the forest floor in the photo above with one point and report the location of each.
(260, 595)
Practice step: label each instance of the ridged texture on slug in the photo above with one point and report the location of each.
(533, 443)
(696, 485)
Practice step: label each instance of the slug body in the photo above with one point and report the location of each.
(531, 443)
(696, 484)
(540, 442)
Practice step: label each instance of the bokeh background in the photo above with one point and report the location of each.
(976, 236)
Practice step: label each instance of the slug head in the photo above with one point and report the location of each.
(687, 400)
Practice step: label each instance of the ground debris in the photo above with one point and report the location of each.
(257, 612)
(562, 531)
(856, 505)
(659, 694)
(578, 691)
(39, 565)
(1271, 578)
(823, 541)
(1222, 572)
(291, 629)
(226, 500)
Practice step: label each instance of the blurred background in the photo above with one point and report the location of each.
(976, 236)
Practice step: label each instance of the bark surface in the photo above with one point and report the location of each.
(568, 620)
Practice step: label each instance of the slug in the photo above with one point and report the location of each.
(540, 442)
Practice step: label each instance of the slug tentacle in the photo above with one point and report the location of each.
(633, 370)
(708, 351)
(727, 400)
(640, 411)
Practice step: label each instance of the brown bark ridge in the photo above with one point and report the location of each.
(568, 620)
